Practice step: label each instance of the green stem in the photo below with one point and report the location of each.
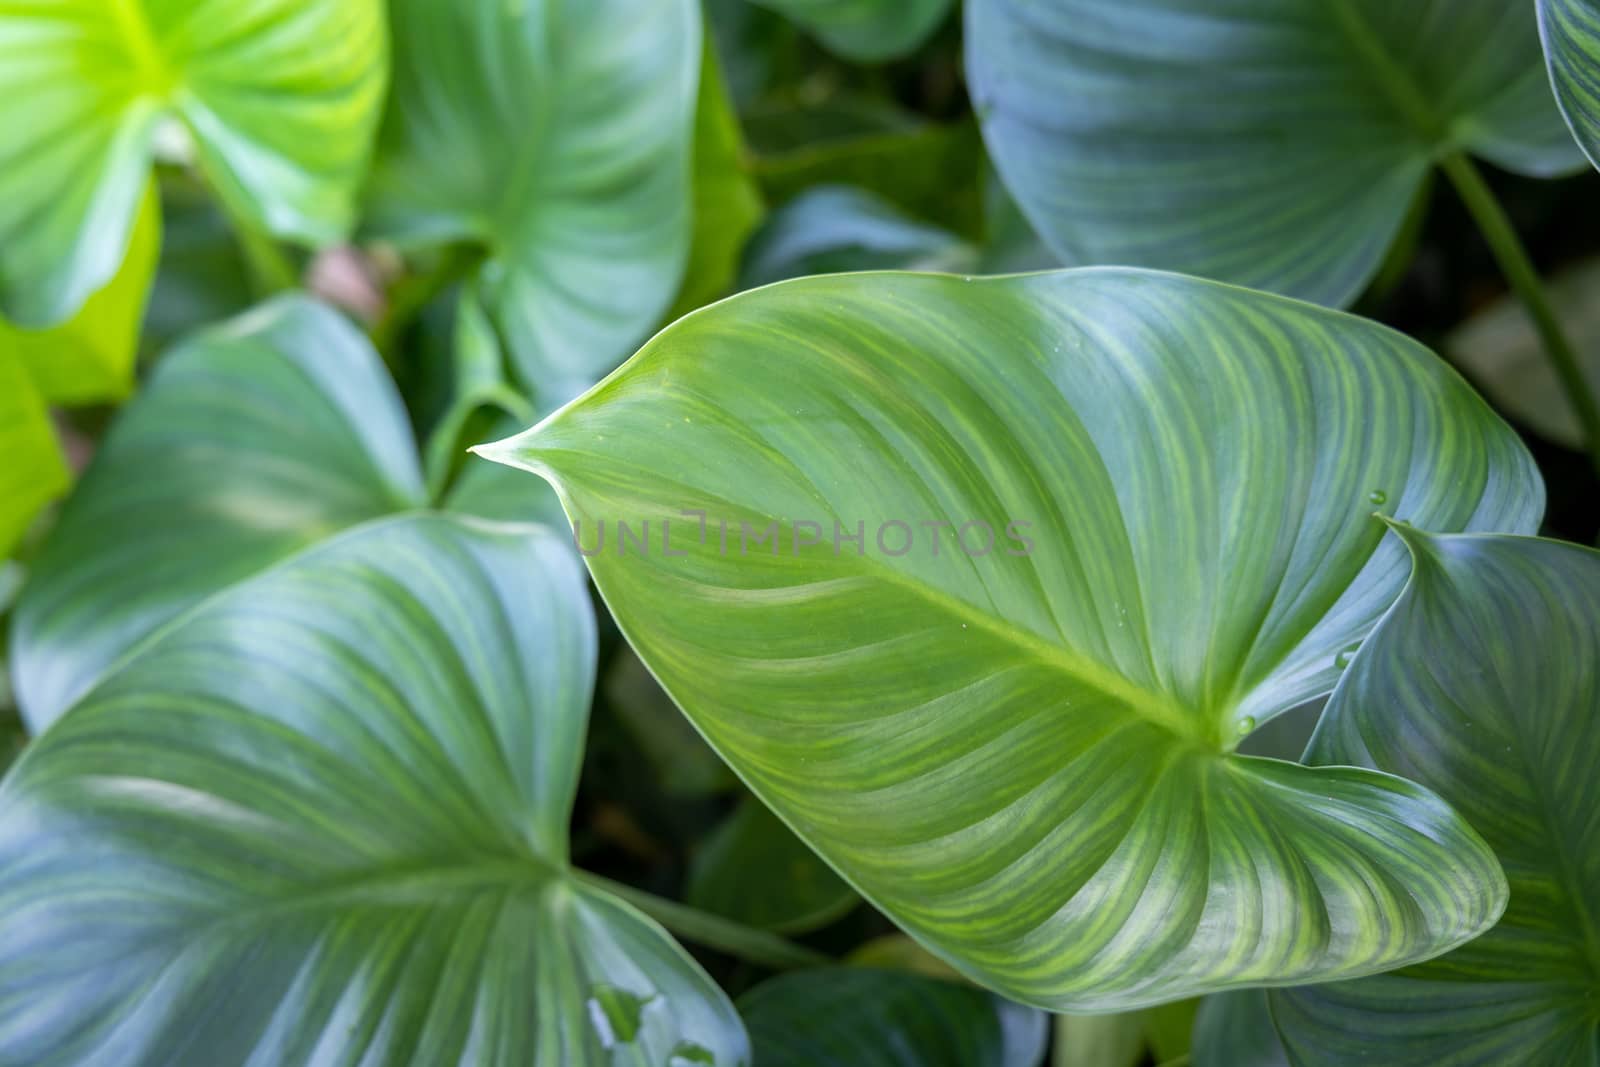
(1525, 282)
(416, 291)
(271, 270)
(725, 935)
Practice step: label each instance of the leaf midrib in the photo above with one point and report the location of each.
(1397, 85)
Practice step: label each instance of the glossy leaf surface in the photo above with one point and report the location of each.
(323, 818)
(754, 870)
(1275, 143)
(1484, 684)
(849, 1017)
(558, 135)
(1013, 732)
(279, 97)
(249, 443)
(1571, 33)
(866, 30)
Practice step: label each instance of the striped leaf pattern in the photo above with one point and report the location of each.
(1571, 32)
(252, 441)
(1484, 684)
(849, 1017)
(322, 818)
(1274, 143)
(556, 134)
(280, 98)
(866, 31)
(994, 574)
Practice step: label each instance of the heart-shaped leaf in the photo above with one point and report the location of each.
(557, 134)
(249, 443)
(853, 1017)
(322, 818)
(753, 869)
(1484, 684)
(1276, 143)
(867, 31)
(280, 98)
(1571, 33)
(993, 576)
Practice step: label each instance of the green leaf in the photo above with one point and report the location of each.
(835, 228)
(1570, 30)
(1177, 478)
(1500, 349)
(34, 472)
(249, 443)
(727, 202)
(851, 1017)
(323, 818)
(280, 98)
(1235, 1030)
(557, 134)
(867, 31)
(1483, 684)
(753, 869)
(1275, 143)
(90, 358)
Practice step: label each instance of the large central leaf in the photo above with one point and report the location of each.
(557, 134)
(322, 818)
(280, 98)
(1276, 143)
(1013, 731)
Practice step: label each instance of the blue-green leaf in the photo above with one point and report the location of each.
(557, 134)
(1571, 33)
(1274, 143)
(322, 818)
(1483, 683)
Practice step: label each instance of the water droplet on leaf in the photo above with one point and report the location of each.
(616, 1014)
(1247, 724)
(687, 1053)
(1378, 496)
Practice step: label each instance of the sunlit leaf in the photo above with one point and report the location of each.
(1276, 143)
(323, 818)
(1484, 684)
(249, 443)
(34, 472)
(279, 97)
(90, 358)
(866, 30)
(557, 134)
(1571, 33)
(753, 869)
(1014, 732)
(850, 1017)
